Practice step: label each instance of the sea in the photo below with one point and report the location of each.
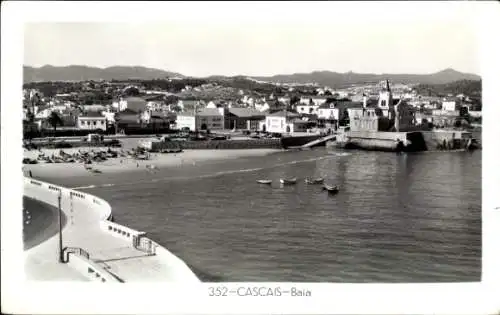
(397, 218)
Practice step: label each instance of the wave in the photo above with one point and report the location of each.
(339, 153)
(85, 187)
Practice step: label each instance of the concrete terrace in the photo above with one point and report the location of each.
(116, 255)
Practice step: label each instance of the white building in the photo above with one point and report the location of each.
(308, 109)
(203, 119)
(92, 121)
(306, 100)
(328, 112)
(284, 122)
(154, 105)
(450, 106)
(133, 103)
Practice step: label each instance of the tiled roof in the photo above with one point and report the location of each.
(134, 99)
(245, 112)
(284, 113)
(92, 114)
(128, 111)
(208, 112)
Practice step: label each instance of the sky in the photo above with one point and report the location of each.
(266, 39)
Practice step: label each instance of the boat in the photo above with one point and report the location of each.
(331, 189)
(264, 181)
(314, 181)
(290, 181)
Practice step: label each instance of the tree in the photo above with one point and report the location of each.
(294, 100)
(117, 120)
(54, 120)
(176, 109)
(171, 99)
(464, 113)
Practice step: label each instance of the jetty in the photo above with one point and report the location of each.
(319, 141)
(93, 248)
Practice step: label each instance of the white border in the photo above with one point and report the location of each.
(19, 297)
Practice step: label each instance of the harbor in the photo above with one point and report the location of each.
(425, 223)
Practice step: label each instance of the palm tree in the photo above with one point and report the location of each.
(54, 119)
(116, 118)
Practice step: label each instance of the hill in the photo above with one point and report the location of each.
(335, 79)
(467, 87)
(84, 73)
(323, 78)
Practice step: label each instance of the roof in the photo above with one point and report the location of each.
(128, 111)
(92, 115)
(134, 99)
(245, 112)
(208, 112)
(284, 113)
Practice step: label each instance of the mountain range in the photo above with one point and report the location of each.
(323, 78)
(83, 73)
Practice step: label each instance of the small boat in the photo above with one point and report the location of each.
(314, 181)
(290, 181)
(331, 189)
(264, 181)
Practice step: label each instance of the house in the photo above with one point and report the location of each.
(328, 115)
(92, 121)
(316, 100)
(93, 108)
(308, 108)
(451, 105)
(202, 119)
(242, 118)
(133, 103)
(284, 122)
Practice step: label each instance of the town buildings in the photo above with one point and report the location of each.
(92, 121)
(285, 122)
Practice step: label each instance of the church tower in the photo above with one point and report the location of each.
(385, 97)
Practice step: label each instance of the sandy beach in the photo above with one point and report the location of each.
(124, 165)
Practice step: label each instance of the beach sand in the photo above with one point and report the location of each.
(126, 165)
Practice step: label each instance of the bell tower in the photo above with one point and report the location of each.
(385, 97)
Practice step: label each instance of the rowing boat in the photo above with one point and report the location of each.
(315, 181)
(264, 181)
(331, 189)
(290, 181)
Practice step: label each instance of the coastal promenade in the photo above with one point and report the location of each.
(97, 249)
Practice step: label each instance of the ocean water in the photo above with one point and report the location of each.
(397, 218)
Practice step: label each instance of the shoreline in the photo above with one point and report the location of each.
(126, 165)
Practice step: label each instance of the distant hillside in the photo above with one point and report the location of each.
(335, 79)
(323, 78)
(467, 87)
(83, 73)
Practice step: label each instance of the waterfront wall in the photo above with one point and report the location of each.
(273, 143)
(48, 193)
(90, 270)
(221, 144)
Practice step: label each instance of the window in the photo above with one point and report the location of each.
(95, 123)
(383, 103)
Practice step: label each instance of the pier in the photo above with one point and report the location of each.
(93, 247)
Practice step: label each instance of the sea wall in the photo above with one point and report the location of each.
(296, 141)
(383, 141)
(454, 139)
(221, 144)
(78, 258)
